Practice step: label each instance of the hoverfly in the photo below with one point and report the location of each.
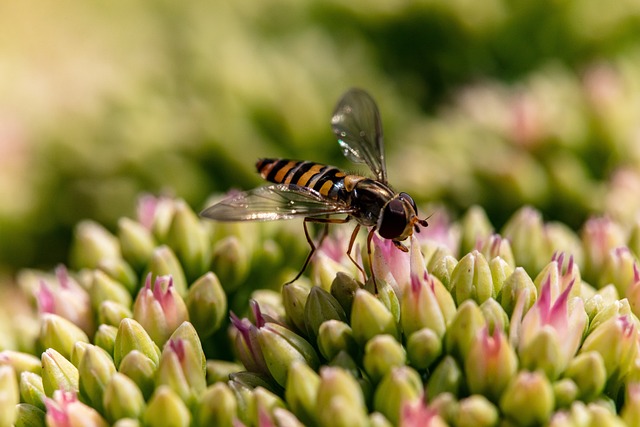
(316, 192)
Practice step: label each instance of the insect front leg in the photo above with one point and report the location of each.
(325, 231)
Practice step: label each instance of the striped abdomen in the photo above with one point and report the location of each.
(327, 180)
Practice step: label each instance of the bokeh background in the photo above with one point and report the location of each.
(496, 102)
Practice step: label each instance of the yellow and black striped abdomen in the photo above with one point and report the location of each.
(326, 180)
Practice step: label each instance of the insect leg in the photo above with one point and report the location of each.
(326, 222)
(351, 242)
(373, 274)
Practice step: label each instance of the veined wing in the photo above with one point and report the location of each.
(356, 123)
(274, 202)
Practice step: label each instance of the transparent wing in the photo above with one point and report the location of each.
(356, 123)
(274, 202)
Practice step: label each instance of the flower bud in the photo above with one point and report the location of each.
(301, 391)
(446, 378)
(369, 317)
(400, 386)
(160, 310)
(518, 285)
(490, 364)
(282, 417)
(29, 416)
(281, 347)
(189, 240)
(122, 398)
(58, 373)
(525, 231)
(343, 289)
(112, 313)
(217, 407)
(65, 410)
(599, 236)
(475, 227)
(132, 336)
(32, 389)
(441, 266)
(471, 279)
(618, 268)
(462, 331)
(494, 315)
(219, 370)
(631, 410)
(105, 338)
(166, 409)
(294, 299)
(588, 372)
(340, 401)
(137, 243)
(565, 392)
(92, 244)
(60, 334)
(187, 332)
(104, 288)
(141, 370)
(336, 336)
(207, 304)
(20, 362)
(155, 214)
(164, 263)
(9, 397)
(95, 370)
(416, 413)
(424, 346)
(376, 419)
(528, 399)
(382, 353)
(230, 262)
(320, 307)
(122, 273)
(500, 271)
(181, 369)
(420, 308)
(476, 411)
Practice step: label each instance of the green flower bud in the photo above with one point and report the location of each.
(189, 239)
(270, 303)
(217, 407)
(132, 336)
(95, 369)
(335, 336)
(64, 409)
(230, 262)
(122, 273)
(608, 307)
(160, 310)
(616, 341)
(446, 378)
(495, 315)
(9, 397)
(29, 416)
(376, 419)
(462, 331)
(127, 422)
(60, 334)
(559, 281)
(500, 271)
(424, 346)
(446, 406)
(155, 214)
(301, 391)
(181, 369)
(32, 389)
(476, 411)
(631, 410)
(141, 370)
(528, 399)
(387, 295)
(136, 242)
(400, 386)
(343, 289)
(104, 288)
(518, 285)
(320, 307)
(420, 308)
(294, 299)
(441, 266)
(588, 372)
(265, 403)
(164, 263)
(166, 409)
(382, 353)
(490, 364)
(20, 362)
(105, 338)
(340, 401)
(525, 231)
(207, 304)
(245, 400)
(369, 317)
(112, 313)
(187, 332)
(58, 373)
(92, 244)
(282, 417)
(618, 268)
(471, 279)
(219, 370)
(122, 398)
(599, 236)
(281, 347)
(475, 227)
(565, 392)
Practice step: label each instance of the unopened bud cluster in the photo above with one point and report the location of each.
(174, 321)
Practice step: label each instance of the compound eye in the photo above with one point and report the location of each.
(408, 198)
(393, 220)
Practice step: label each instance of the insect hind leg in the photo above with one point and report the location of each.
(325, 231)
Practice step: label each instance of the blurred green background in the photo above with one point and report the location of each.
(498, 103)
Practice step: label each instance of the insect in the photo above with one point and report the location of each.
(317, 192)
